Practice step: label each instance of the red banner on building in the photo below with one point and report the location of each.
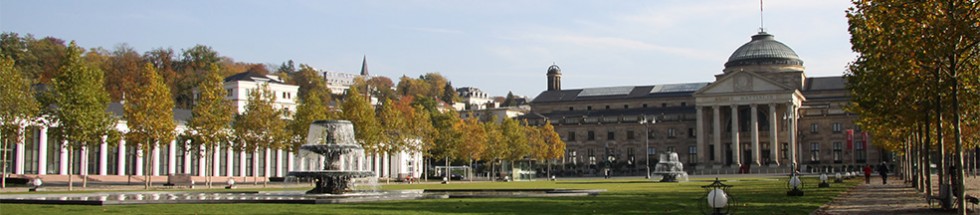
(864, 140)
(850, 139)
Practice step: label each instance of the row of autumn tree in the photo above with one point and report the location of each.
(78, 90)
(916, 85)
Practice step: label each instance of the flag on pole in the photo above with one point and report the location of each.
(850, 139)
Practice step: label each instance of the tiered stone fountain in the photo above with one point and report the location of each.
(670, 168)
(343, 158)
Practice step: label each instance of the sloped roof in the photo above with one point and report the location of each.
(250, 76)
(621, 92)
(826, 83)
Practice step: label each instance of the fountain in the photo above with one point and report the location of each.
(342, 157)
(670, 168)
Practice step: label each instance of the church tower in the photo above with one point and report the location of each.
(554, 78)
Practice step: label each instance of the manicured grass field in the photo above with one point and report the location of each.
(624, 196)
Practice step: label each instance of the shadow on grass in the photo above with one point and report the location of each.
(610, 182)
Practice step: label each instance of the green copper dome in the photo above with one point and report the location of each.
(763, 50)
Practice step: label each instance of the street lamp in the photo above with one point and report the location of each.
(823, 181)
(646, 124)
(717, 201)
(795, 185)
(231, 183)
(35, 185)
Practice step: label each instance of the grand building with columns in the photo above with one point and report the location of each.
(760, 114)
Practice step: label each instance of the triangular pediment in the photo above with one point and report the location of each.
(742, 82)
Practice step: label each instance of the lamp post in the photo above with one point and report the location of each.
(717, 200)
(646, 124)
(823, 181)
(795, 185)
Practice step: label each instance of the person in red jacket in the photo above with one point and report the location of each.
(867, 173)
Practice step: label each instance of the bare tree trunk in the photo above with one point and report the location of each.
(3, 146)
(4, 143)
(70, 155)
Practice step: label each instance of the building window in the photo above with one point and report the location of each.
(650, 134)
(814, 128)
(663, 104)
(837, 153)
(671, 133)
(630, 135)
(784, 150)
(611, 135)
(692, 154)
(591, 135)
(691, 133)
(591, 156)
(837, 128)
(571, 136)
(711, 152)
(683, 104)
(588, 107)
(644, 105)
(670, 149)
(571, 109)
(814, 152)
(607, 107)
(626, 106)
(652, 155)
(860, 155)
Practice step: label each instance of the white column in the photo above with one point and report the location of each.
(216, 160)
(268, 161)
(42, 151)
(63, 162)
(736, 146)
(302, 164)
(103, 156)
(139, 159)
(155, 165)
(699, 134)
(241, 163)
(255, 163)
(279, 163)
(83, 167)
(754, 127)
(172, 157)
(19, 158)
(290, 161)
(121, 162)
(791, 112)
(716, 129)
(202, 162)
(229, 162)
(187, 158)
(773, 131)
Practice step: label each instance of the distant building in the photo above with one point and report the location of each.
(339, 82)
(474, 99)
(241, 84)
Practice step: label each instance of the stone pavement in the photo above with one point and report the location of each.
(894, 198)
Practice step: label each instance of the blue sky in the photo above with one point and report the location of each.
(498, 46)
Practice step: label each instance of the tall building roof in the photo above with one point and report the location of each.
(602, 93)
(763, 49)
(251, 76)
(364, 68)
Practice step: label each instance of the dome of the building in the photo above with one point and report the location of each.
(763, 50)
(553, 69)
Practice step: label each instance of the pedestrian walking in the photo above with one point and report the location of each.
(883, 170)
(867, 173)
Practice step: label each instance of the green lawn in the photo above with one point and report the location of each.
(624, 196)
